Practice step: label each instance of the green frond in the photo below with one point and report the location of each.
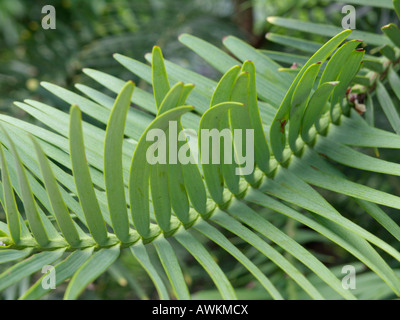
(89, 193)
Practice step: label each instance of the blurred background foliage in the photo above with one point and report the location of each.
(89, 32)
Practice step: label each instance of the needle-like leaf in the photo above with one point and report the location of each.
(83, 181)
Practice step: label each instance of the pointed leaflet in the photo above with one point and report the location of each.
(345, 78)
(178, 193)
(381, 216)
(4, 232)
(234, 226)
(140, 253)
(212, 172)
(113, 169)
(272, 84)
(338, 61)
(60, 210)
(388, 107)
(222, 94)
(10, 206)
(35, 222)
(370, 116)
(229, 167)
(313, 174)
(94, 139)
(163, 173)
(8, 255)
(140, 97)
(306, 46)
(388, 52)
(352, 158)
(83, 181)
(171, 98)
(95, 110)
(387, 103)
(178, 189)
(218, 237)
(21, 141)
(97, 96)
(277, 132)
(197, 250)
(335, 183)
(240, 122)
(354, 132)
(171, 172)
(125, 277)
(59, 125)
(139, 68)
(223, 91)
(315, 107)
(394, 82)
(27, 267)
(140, 170)
(193, 181)
(257, 197)
(331, 179)
(160, 77)
(37, 189)
(251, 218)
(266, 67)
(303, 195)
(217, 58)
(283, 57)
(171, 266)
(261, 148)
(203, 86)
(363, 80)
(63, 271)
(144, 72)
(160, 195)
(299, 103)
(327, 30)
(393, 33)
(90, 270)
(94, 136)
(187, 89)
(373, 65)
